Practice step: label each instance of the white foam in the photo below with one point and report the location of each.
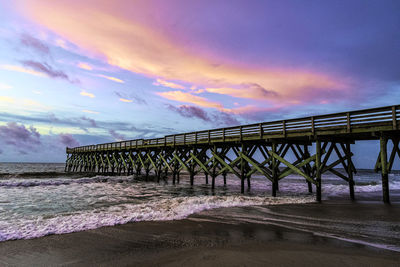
(61, 181)
(165, 209)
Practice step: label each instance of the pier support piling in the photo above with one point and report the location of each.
(384, 169)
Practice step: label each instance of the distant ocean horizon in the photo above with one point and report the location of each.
(39, 199)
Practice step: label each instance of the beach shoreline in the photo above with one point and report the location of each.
(212, 238)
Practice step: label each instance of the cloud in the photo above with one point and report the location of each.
(189, 98)
(134, 44)
(224, 119)
(84, 66)
(110, 78)
(68, 140)
(31, 42)
(90, 111)
(216, 118)
(190, 112)
(116, 136)
(92, 122)
(17, 135)
(128, 98)
(5, 86)
(84, 93)
(7, 99)
(47, 70)
(250, 90)
(125, 100)
(22, 69)
(160, 82)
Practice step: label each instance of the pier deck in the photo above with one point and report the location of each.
(262, 147)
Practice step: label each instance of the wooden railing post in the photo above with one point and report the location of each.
(261, 131)
(312, 126)
(394, 117)
(284, 128)
(348, 122)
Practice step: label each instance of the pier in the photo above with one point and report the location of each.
(309, 147)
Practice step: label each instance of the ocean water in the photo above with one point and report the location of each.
(40, 199)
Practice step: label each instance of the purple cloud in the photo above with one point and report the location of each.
(224, 119)
(216, 118)
(19, 136)
(137, 99)
(116, 135)
(190, 112)
(92, 122)
(31, 42)
(48, 70)
(68, 140)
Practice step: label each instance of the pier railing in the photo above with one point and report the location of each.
(352, 122)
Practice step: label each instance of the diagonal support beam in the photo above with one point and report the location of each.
(256, 166)
(225, 164)
(294, 168)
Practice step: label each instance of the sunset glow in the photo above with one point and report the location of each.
(86, 68)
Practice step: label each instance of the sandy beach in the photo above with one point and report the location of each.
(205, 240)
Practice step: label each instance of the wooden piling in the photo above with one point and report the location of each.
(318, 174)
(274, 171)
(384, 170)
(242, 170)
(350, 171)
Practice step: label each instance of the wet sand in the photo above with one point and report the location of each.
(207, 240)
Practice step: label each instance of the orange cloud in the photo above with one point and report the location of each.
(189, 98)
(110, 78)
(84, 93)
(125, 100)
(84, 66)
(134, 45)
(90, 111)
(252, 91)
(168, 84)
(7, 99)
(22, 69)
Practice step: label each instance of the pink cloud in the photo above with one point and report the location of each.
(189, 98)
(172, 85)
(133, 44)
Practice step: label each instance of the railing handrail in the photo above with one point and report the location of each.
(303, 123)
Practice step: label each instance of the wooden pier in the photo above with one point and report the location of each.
(261, 147)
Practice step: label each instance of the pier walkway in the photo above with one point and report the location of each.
(274, 149)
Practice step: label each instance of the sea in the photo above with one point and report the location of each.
(39, 199)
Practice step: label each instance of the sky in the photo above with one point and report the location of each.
(85, 72)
